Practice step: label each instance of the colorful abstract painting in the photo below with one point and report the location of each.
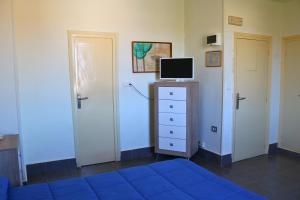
(146, 55)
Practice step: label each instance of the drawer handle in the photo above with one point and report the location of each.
(171, 106)
(171, 132)
(171, 144)
(171, 119)
(171, 93)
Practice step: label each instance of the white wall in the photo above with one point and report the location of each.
(8, 104)
(260, 17)
(42, 63)
(43, 69)
(204, 17)
(291, 25)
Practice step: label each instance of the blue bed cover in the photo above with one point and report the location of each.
(177, 179)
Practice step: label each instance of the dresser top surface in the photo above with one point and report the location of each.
(9, 142)
(175, 84)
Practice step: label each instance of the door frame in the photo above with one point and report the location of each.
(257, 37)
(285, 40)
(114, 37)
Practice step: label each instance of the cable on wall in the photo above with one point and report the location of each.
(140, 93)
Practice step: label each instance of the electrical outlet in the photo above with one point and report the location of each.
(127, 84)
(214, 129)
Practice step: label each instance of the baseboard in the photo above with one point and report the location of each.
(134, 154)
(226, 160)
(39, 169)
(47, 167)
(273, 148)
(223, 161)
(288, 153)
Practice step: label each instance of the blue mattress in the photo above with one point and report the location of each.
(177, 179)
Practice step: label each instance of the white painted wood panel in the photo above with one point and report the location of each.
(290, 136)
(172, 144)
(94, 115)
(172, 119)
(172, 106)
(173, 93)
(251, 83)
(172, 132)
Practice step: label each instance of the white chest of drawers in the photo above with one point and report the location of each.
(176, 118)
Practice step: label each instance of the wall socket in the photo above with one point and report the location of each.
(214, 129)
(201, 144)
(126, 84)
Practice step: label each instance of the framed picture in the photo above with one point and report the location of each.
(213, 59)
(146, 55)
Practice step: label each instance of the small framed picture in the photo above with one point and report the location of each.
(146, 55)
(213, 59)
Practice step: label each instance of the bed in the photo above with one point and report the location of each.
(176, 179)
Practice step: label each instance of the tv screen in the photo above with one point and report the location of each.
(176, 68)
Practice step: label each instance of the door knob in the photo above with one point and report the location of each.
(79, 99)
(238, 99)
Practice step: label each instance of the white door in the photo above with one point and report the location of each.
(252, 57)
(93, 78)
(290, 134)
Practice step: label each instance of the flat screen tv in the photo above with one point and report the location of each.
(177, 68)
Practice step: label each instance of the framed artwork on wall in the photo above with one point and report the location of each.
(213, 59)
(146, 55)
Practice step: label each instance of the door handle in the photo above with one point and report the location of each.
(79, 99)
(238, 99)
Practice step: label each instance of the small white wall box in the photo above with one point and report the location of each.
(214, 39)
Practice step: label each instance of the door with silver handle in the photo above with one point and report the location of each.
(79, 99)
(238, 99)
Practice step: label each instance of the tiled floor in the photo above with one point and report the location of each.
(275, 177)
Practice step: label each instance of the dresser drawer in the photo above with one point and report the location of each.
(172, 106)
(173, 93)
(172, 144)
(172, 119)
(172, 132)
